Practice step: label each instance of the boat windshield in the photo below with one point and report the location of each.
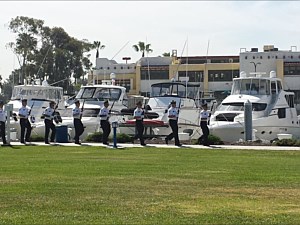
(239, 106)
(32, 92)
(175, 89)
(251, 86)
(98, 93)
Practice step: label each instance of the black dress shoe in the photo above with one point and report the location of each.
(106, 143)
(143, 144)
(166, 140)
(178, 145)
(46, 142)
(77, 143)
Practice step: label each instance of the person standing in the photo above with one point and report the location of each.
(48, 120)
(173, 121)
(138, 115)
(24, 112)
(2, 123)
(77, 115)
(204, 116)
(104, 122)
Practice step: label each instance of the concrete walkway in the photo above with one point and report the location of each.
(126, 145)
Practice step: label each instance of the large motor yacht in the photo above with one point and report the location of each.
(273, 109)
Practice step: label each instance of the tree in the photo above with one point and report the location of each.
(28, 31)
(97, 45)
(48, 53)
(141, 47)
(166, 54)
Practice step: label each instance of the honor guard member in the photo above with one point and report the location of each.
(77, 115)
(104, 122)
(204, 116)
(173, 121)
(24, 122)
(138, 115)
(2, 123)
(48, 115)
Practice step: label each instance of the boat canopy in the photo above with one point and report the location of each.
(178, 89)
(111, 93)
(37, 92)
(255, 86)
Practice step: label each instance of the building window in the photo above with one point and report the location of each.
(261, 57)
(121, 67)
(268, 57)
(155, 73)
(108, 68)
(291, 68)
(283, 57)
(246, 57)
(194, 76)
(253, 57)
(101, 68)
(222, 75)
(115, 67)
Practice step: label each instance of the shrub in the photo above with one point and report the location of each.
(212, 140)
(37, 138)
(123, 138)
(286, 142)
(95, 137)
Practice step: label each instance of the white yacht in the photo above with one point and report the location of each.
(38, 97)
(161, 95)
(91, 100)
(273, 110)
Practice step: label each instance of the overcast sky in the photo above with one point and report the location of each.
(166, 25)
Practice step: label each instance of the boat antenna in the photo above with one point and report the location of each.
(186, 66)
(148, 71)
(59, 81)
(205, 64)
(176, 71)
(120, 50)
(43, 60)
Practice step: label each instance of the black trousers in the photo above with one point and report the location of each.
(105, 125)
(79, 129)
(139, 126)
(25, 125)
(2, 131)
(49, 125)
(174, 134)
(205, 132)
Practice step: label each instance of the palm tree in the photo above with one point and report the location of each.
(166, 54)
(98, 46)
(141, 47)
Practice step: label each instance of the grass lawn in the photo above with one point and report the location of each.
(95, 185)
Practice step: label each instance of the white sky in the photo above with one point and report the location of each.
(166, 25)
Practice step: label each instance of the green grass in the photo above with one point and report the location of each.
(94, 185)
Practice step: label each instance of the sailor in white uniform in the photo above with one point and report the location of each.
(48, 120)
(104, 122)
(24, 112)
(2, 122)
(173, 121)
(77, 114)
(204, 117)
(138, 115)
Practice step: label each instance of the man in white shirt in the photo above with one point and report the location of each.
(138, 115)
(204, 116)
(2, 123)
(48, 120)
(77, 114)
(173, 121)
(104, 122)
(24, 122)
